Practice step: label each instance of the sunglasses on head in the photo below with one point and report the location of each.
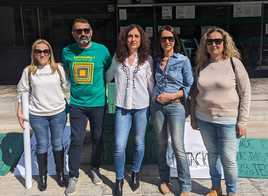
(170, 39)
(80, 31)
(39, 51)
(216, 41)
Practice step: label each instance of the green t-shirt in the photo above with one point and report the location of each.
(86, 68)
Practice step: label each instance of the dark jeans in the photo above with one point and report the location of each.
(78, 119)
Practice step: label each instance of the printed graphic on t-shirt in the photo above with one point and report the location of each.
(83, 72)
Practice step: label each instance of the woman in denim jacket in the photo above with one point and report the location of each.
(173, 76)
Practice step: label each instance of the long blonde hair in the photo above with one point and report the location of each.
(34, 63)
(229, 50)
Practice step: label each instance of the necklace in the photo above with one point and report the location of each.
(164, 62)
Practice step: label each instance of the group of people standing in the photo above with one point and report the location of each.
(218, 89)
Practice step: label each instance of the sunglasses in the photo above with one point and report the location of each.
(170, 39)
(216, 41)
(45, 51)
(80, 31)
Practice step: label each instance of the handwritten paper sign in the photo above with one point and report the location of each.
(166, 12)
(253, 158)
(122, 14)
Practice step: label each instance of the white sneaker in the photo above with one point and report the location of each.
(70, 190)
(95, 176)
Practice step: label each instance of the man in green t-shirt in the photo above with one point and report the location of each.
(85, 62)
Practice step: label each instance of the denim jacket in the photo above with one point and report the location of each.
(177, 75)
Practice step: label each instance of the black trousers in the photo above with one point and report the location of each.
(79, 117)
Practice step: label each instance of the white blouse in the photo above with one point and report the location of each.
(133, 83)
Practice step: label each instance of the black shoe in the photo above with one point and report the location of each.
(42, 167)
(118, 190)
(42, 184)
(59, 162)
(135, 181)
(61, 181)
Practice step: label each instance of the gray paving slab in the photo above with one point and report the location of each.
(14, 186)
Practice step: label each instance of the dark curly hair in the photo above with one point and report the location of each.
(175, 34)
(122, 50)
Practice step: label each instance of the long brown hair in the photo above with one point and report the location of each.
(229, 48)
(34, 64)
(122, 50)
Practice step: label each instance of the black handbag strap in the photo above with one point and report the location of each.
(232, 63)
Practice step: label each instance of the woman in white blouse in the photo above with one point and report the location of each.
(132, 70)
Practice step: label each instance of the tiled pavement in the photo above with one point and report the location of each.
(12, 186)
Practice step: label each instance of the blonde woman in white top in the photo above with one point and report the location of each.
(44, 79)
(132, 69)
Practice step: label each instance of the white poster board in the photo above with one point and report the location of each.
(196, 154)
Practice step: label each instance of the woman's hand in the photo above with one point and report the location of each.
(166, 97)
(21, 120)
(241, 131)
(20, 116)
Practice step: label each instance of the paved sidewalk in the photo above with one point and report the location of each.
(12, 186)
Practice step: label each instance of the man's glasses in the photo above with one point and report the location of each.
(45, 51)
(80, 31)
(216, 41)
(170, 39)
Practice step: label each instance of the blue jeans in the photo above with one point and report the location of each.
(123, 123)
(42, 124)
(222, 145)
(171, 117)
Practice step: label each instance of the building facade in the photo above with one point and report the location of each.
(23, 21)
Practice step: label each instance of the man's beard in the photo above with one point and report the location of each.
(84, 40)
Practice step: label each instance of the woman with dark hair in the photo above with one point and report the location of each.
(173, 77)
(222, 104)
(132, 70)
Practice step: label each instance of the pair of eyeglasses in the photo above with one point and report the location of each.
(170, 39)
(45, 51)
(216, 41)
(80, 31)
